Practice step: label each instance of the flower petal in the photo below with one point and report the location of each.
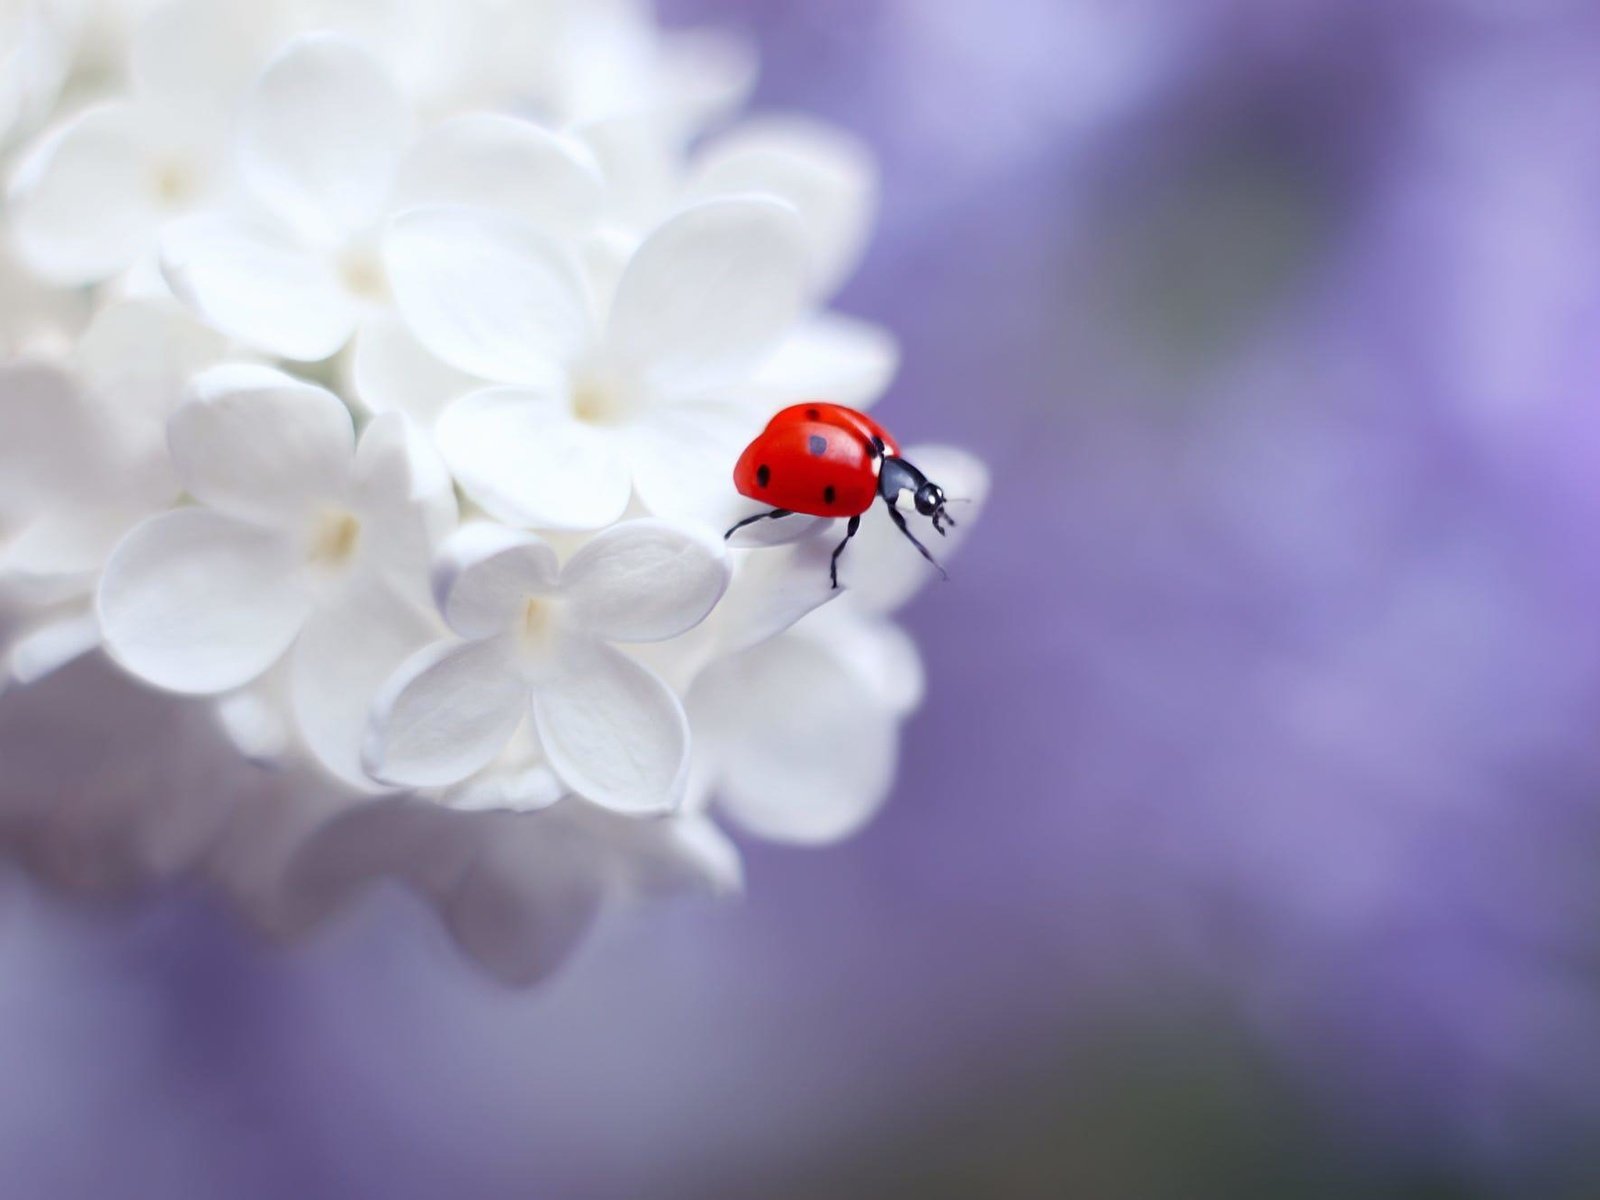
(487, 293)
(484, 574)
(390, 371)
(709, 294)
(488, 160)
(645, 581)
(771, 590)
(350, 646)
(80, 206)
(261, 446)
(320, 136)
(137, 358)
(405, 501)
(521, 455)
(48, 647)
(445, 713)
(825, 173)
(256, 287)
(816, 775)
(531, 893)
(166, 62)
(848, 361)
(683, 456)
(195, 601)
(613, 731)
(48, 435)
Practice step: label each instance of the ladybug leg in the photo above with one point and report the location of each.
(899, 519)
(766, 516)
(849, 532)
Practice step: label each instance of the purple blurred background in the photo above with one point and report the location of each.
(1249, 840)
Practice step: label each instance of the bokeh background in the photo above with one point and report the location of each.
(1248, 844)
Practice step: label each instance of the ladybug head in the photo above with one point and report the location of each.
(930, 502)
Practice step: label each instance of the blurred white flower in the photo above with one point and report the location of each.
(302, 539)
(294, 263)
(37, 41)
(242, 638)
(536, 637)
(89, 199)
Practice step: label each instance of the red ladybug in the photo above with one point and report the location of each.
(826, 460)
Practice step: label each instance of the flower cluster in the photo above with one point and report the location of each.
(373, 374)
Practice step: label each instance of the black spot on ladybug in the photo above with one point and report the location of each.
(817, 444)
(828, 494)
(763, 475)
(813, 414)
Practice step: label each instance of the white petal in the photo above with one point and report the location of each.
(613, 731)
(641, 167)
(195, 601)
(320, 137)
(197, 53)
(645, 581)
(47, 648)
(257, 288)
(445, 713)
(683, 456)
(882, 569)
(845, 360)
(819, 772)
(880, 654)
(825, 173)
(709, 294)
(343, 657)
(256, 719)
(59, 551)
(521, 455)
(487, 293)
(488, 160)
(704, 74)
(267, 450)
(390, 371)
(485, 573)
(47, 435)
(531, 893)
(405, 501)
(685, 853)
(772, 589)
(80, 206)
(136, 359)
(511, 788)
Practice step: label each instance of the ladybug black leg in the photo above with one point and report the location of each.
(899, 519)
(766, 516)
(849, 532)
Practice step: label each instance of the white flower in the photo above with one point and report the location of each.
(483, 223)
(826, 174)
(323, 147)
(82, 458)
(536, 643)
(89, 200)
(302, 540)
(292, 266)
(596, 408)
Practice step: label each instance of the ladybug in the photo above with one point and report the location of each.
(826, 460)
